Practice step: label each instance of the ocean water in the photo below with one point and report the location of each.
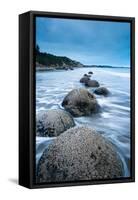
(114, 119)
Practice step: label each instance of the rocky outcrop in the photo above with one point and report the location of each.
(102, 91)
(79, 154)
(53, 122)
(80, 102)
(92, 83)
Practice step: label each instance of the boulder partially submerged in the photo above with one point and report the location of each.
(80, 102)
(90, 72)
(79, 154)
(102, 91)
(92, 83)
(88, 75)
(84, 79)
(53, 122)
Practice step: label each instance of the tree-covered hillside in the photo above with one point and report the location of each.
(49, 60)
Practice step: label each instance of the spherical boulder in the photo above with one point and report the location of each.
(102, 91)
(84, 79)
(90, 72)
(53, 122)
(79, 154)
(80, 102)
(92, 83)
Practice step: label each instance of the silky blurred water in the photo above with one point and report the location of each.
(114, 119)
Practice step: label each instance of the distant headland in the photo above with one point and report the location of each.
(49, 61)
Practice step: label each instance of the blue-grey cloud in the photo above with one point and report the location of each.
(88, 41)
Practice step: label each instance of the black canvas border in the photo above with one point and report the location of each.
(32, 82)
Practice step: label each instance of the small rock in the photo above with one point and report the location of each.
(90, 72)
(92, 83)
(102, 91)
(87, 75)
(84, 79)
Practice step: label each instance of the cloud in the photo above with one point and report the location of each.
(87, 41)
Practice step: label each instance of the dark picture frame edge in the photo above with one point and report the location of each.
(27, 98)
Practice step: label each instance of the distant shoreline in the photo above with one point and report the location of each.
(104, 66)
(57, 68)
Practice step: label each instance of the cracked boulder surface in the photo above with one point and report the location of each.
(80, 102)
(52, 123)
(80, 153)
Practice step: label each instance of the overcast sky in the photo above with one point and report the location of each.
(87, 41)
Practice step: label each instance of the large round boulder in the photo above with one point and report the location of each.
(80, 102)
(92, 83)
(79, 154)
(102, 91)
(84, 79)
(53, 122)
